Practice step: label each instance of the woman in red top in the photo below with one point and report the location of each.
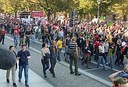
(2, 34)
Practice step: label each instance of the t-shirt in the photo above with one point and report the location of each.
(16, 32)
(28, 32)
(21, 33)
(96, 43)
(23, 57)
(119, 48)
(59, 44)
(3, 32)
(73, 45)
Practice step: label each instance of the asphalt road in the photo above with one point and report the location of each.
(94, 77)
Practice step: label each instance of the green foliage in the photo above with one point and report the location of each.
(53, 6)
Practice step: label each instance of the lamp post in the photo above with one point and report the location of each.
(98, 13)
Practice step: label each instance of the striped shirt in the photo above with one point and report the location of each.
(73, 45)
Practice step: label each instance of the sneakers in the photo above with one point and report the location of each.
(14, 85)
(71, 72)
(45, 76)
(8, 81)
(77, 74)
(27, 85)
(54, 76)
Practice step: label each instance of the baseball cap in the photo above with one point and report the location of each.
(123, 75)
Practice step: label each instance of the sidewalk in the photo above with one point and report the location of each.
(34, 80)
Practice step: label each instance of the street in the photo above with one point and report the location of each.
(94, 77)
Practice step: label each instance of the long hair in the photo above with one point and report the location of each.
(43, 45)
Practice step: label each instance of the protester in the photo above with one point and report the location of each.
(28, 36)
(86, 55)
(121, 80)
(59, 46)
(111, 55)
(16, 35)
(101, 56)
(118, 52)
(53, 57)
(23, 56)
(73, 52)
(3, 32)
(21, 34)
(13, 69)
(45, 58)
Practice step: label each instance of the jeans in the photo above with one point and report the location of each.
(58, 56)
(101, 60)
(53, 63)
(33, 38)
(15, 40)
(118, 58)
(96, 55)
(66, 54)
(25, 67)
(111, 61)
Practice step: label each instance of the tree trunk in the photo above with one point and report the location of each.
(15, 14)
(49, 14)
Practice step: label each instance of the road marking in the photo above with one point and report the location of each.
(93, 69)
(90, 75)
(106, 66)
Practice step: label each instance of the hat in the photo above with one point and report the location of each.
(120, 80)
(123, 74)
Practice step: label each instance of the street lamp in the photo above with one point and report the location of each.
(98, 13)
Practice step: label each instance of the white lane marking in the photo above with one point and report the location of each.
(91, 75)
(44, 82)
(106, 66)
(93, 69)
(38, 42)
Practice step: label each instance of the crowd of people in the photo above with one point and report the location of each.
(104, 43)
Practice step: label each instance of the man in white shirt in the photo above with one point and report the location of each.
(101, 56)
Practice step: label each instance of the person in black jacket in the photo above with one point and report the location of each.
(53, 58)
(86, 54)
(80, 42)
(21, 34)
(118, 52)
(125, 53)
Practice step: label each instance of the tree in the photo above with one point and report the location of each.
(120, 8)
